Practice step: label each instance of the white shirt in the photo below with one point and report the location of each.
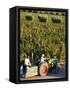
(27, 62)
(43, 59)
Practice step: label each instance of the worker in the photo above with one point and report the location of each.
(27, 64)
(43, 58)
(55, 59)
(21, 68)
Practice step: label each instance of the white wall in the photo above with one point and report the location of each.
(4, 44)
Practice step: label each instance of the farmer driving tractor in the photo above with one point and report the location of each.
(43, 58)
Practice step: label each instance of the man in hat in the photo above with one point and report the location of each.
(43, 58)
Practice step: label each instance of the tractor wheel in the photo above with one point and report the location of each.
(43, 69)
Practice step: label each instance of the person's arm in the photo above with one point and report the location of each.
(46, 59)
